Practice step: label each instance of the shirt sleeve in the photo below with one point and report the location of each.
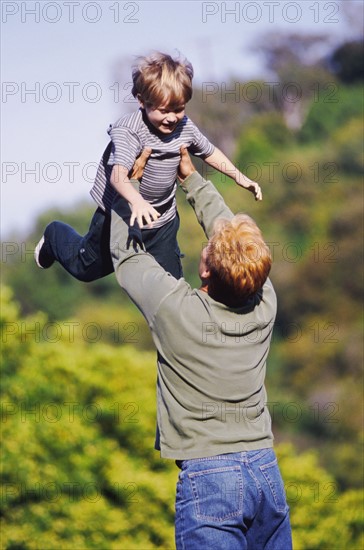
(125, 146)
(206, 201)
(201, 146)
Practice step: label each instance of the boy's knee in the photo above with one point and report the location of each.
(55, 228)
(50, 230)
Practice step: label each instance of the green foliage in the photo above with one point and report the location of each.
(330, 111)
(265, 134)
(347, 144)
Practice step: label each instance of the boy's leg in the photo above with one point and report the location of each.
(85, 258)
(162, 244)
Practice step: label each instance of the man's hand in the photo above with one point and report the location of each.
(136, 172)
(186, 167)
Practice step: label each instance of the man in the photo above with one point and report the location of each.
(212, 345)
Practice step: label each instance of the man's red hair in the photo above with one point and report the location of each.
(238, 259)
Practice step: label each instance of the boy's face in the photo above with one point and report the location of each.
(164, 117)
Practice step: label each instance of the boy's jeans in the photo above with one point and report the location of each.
(233, 501)
(88, 258)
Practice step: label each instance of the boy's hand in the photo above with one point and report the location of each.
(186, 167)
(251, 186)
(142, 210)
(136, 172)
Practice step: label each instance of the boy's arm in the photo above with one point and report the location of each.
(140, 209)
(125, 149)
(220, 162)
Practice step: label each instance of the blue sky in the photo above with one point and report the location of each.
(61, 60)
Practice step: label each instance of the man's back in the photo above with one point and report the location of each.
(211, 371)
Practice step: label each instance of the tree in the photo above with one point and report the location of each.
(347, 62)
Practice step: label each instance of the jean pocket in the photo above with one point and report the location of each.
(274, 481)
(87, 256)
(217, 493)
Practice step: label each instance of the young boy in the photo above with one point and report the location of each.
(163, 87)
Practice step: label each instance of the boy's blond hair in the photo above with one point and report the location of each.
(238, 259)
(159, 79)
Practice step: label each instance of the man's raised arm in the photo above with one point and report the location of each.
(202, 195)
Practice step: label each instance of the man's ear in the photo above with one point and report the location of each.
(206, 274)
(141, 102)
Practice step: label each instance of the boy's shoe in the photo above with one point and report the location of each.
(42, 258)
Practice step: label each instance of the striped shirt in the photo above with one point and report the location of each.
(129, 135)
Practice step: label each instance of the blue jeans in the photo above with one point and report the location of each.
(88, 257)
(233, 501)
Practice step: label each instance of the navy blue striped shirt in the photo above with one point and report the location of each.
(129, 136)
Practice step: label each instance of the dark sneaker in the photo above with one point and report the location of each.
(42, 258)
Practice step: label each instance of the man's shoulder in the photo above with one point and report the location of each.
(268, 298)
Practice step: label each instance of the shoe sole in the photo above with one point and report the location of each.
(37, 252)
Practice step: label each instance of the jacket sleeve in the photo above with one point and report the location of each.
(137, 272)
(206, 201)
